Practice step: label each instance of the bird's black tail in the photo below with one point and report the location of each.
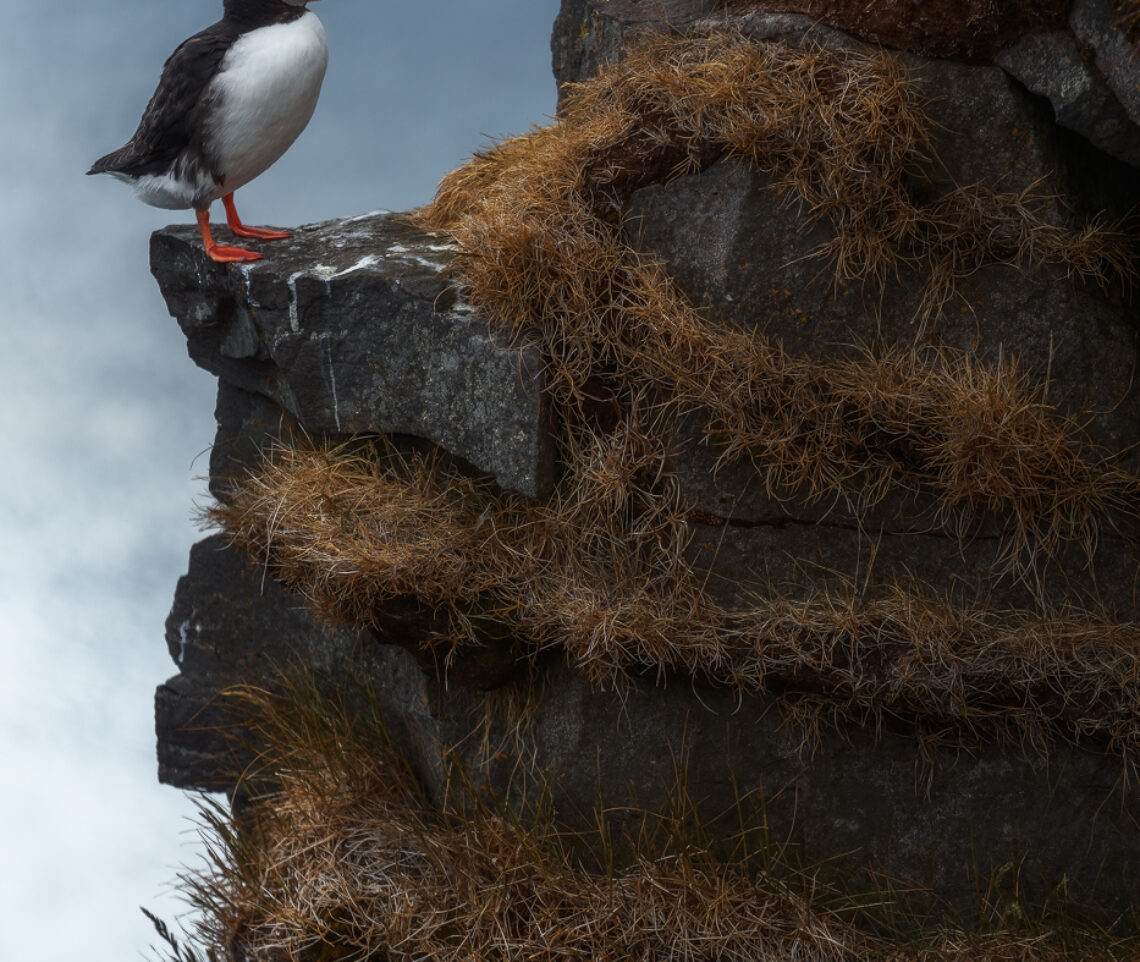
(117, 162)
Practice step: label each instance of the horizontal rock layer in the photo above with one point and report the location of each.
(862, 798)
(960, 29)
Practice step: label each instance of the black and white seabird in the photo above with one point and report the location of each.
(231, 100)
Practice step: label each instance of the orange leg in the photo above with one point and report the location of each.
(216, 252)
(240, 230)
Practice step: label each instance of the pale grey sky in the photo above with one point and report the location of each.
(105, 420)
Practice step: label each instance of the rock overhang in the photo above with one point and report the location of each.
(353, 327)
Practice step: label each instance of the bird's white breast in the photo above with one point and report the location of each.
(264, 95)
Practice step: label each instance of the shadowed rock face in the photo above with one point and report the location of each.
(229, 624)
(735, 251)
(1070, 53)
(971, 30)
(349, 329)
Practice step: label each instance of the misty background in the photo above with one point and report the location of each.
(107, 423)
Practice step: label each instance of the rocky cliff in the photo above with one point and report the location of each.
(896, 500)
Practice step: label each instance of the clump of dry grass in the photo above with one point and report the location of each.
(1128, 17)
(341, 857)
(843, 133)
(376, 527)
(346, 859)
(600, 573)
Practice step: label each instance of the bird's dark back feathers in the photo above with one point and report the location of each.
(171, 118)
(171, 122)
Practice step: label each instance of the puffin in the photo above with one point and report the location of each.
(230, 102)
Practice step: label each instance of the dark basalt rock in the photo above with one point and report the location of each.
(862, 799)
(248, 426)
(591, 32)
(1089, 74)
(1095, 24)
(1051, 64)
(349, 328)
(230, 624)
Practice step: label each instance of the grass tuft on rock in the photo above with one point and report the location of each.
(537, 222)
(601, 575)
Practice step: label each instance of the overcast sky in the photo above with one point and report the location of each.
(106, 421)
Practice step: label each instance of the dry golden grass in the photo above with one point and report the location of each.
(343, 858)
(600, 574)
(1128, 16)
(839, 132)
(843, 134)
(599, 571)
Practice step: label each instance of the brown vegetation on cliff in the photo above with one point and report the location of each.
(844, 135)
(600, 570)
(342, 858)
(351, 531)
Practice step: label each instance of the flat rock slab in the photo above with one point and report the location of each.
(231, 624)
(351, 328)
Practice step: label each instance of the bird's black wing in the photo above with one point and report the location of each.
(169, 122)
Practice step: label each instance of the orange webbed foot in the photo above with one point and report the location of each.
(255, 233)
(219, 252)
(259, 233)
(232, 255)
